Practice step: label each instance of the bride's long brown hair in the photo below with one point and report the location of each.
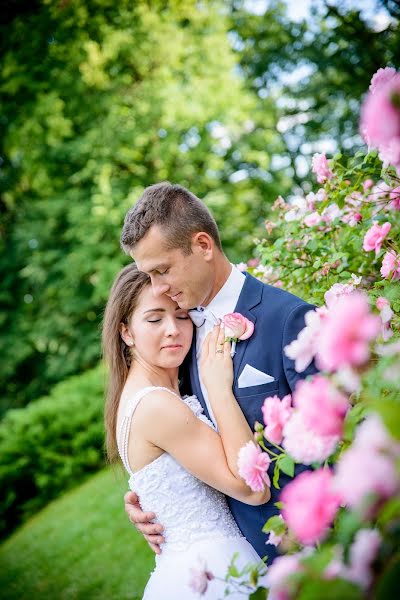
(121, 303)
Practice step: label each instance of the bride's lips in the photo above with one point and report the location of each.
(174, 298)
(172, 347)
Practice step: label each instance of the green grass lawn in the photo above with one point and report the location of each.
(80, 547)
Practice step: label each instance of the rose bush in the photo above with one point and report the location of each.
(338, 247)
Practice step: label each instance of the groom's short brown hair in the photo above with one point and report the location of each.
(179, 212)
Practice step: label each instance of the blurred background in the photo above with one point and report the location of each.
(100, 99)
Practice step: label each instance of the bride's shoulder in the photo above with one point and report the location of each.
(159, 403)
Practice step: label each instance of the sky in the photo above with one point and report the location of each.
(300, 9)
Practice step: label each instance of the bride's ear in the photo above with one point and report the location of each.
(126, 334)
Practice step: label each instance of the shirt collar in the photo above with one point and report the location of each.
(225, 301)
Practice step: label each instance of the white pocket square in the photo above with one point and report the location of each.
(251, 376)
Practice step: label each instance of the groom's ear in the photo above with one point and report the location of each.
(202, 243)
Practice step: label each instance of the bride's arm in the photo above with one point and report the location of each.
(211, 457)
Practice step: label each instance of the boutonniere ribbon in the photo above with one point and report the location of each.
(237, 328)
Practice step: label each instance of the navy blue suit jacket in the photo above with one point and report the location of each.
(278, 317)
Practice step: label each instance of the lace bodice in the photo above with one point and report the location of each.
(189, 509)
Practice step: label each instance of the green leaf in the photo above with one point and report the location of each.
(233, 571)
(389, 512)
(259, 594)
(287, 465)
(389, 410)
(353, 417)
(389, 582)
(332, 589)
(275, 524)
(347, 524)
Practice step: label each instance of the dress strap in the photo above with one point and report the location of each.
(124, 429)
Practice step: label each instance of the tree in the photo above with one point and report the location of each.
(316, 70)
(100, 100)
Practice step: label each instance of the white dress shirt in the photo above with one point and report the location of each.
(223, 303)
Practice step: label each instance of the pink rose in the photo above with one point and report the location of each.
(310, 505)
(362, 554)
(337, 290)
(253, 262)
(390, 153)
(199, 578)
(372, 435)
(376, 474)
(330, 213)
(278, 575)
(312, 219)
(368, 183)
(373, 457)
(320, 168)
(304, 445)
(381, 77)
(374, 237)
(253, 466)
(322, 406)
(391, 265)
(346, 333)
(302, 349)
(383, 305)
(380, 114)
(276, 413)
(237, 326)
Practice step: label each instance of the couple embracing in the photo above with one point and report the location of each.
(179, 407)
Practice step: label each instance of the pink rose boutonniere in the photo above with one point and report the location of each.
(237, 327)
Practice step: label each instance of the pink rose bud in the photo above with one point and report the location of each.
(199, 578)
(368, 183)
(237, 326)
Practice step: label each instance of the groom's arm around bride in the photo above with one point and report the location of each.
(172, 236)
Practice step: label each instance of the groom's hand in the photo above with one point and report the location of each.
(142, 521)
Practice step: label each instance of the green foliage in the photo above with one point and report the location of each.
(313, 244)
(80, 547)
(314, 589)
(106, 99)
(337, 49)
(50, 446)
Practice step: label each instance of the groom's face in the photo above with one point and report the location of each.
(186, 279)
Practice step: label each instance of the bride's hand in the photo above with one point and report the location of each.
(216, 364)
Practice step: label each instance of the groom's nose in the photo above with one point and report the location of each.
(159, 289)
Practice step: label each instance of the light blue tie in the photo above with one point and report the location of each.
(201, 315)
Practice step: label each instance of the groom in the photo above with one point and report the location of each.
(172, 236)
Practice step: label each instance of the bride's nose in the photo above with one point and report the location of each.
(171, 327)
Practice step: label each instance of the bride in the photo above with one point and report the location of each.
(177, 462)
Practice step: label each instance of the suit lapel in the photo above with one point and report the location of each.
(249, 298)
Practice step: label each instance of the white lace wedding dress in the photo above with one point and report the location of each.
(198, 525)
